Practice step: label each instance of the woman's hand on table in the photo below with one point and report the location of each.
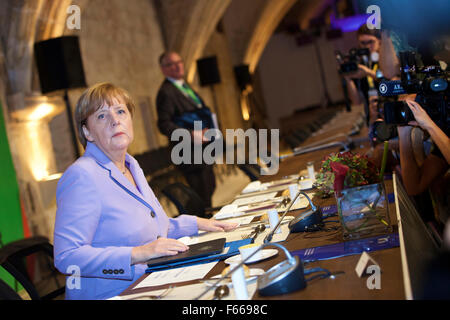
(158, 248)
(169, 247)
(215, 225)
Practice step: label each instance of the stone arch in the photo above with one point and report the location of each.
(269, 19)
(30, 21)
(205, 16)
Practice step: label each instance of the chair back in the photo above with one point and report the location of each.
(185, 199)
(30, 262)
(7, 293)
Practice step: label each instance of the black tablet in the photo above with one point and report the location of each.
(197, 250)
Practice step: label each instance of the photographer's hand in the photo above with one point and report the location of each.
(422, 118)
(367, 72)
(425, 122)
(362, 72)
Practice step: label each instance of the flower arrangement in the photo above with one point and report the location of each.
(345, 170)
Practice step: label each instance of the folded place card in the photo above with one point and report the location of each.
(364, 261)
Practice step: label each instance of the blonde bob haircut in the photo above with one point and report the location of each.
(95, 97)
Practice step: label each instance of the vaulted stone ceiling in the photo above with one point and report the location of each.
(186, 27)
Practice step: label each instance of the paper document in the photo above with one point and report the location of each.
(255, 186)
(228, 211)
(189, 292)
(254, 199)
(158, 278)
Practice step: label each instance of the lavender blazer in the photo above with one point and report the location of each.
(100, 217)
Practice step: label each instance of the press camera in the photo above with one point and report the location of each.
(429, 83)
(431, 86)
(349, 63)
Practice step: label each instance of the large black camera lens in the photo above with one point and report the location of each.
(381, 131)
(363, 52)
(397, 112)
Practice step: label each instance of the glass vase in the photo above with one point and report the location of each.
(363, 211)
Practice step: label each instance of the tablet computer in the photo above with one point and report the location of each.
(195, 251)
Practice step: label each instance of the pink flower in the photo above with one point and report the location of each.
(340, 170)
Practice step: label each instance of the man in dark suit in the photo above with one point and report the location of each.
(178, 105)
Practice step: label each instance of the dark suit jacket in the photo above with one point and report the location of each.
(170, 104)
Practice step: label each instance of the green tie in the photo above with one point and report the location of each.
(187, 90)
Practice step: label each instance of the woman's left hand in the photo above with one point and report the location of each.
(215, 225)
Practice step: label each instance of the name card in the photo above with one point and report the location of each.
(364, 261)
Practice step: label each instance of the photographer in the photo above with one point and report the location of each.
(417, 178)
(362, 80)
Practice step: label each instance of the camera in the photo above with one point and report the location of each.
(349, 63)
(430, 83)
(382, 129)
(397, 112)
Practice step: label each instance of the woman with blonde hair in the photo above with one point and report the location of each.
(108, 220)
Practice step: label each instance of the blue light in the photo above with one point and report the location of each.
(349, 24)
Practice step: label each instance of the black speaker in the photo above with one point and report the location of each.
(208, 71)
(243, 76)
(59, 64)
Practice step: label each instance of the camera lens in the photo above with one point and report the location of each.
(383, 131)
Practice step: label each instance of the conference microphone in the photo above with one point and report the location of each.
(285, 277)
(269, 236)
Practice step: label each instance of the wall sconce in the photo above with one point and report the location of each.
(34, 137)
(245, 103)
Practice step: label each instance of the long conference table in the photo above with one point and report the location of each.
(347, 285)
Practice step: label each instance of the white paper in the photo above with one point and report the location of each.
(255, 186)
(158, 278)
(241, 220)
(306, 184)
(190, 292)
(255, 199)
(228, 211)
(277, 237)
(301, 203)
(188, 240)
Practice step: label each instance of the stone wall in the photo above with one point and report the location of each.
(290, 75)
(120, 42)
